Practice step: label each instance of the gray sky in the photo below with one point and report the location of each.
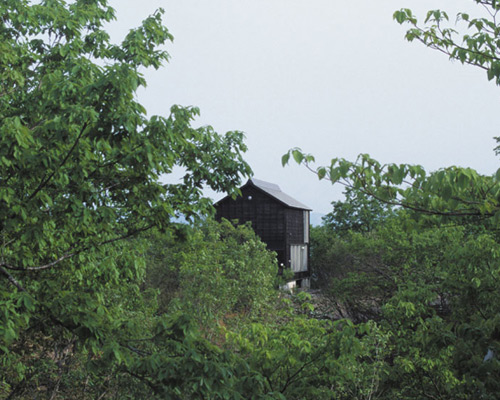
(335, 78)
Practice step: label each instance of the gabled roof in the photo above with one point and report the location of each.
(274, 191)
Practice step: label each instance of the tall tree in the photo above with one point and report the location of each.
(431, 287)
(81, 167)
(357, 213)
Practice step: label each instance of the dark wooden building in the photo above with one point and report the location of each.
(279, 220)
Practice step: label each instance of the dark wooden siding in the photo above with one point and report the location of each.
(266, 215)
(277, 224)
(295, 225)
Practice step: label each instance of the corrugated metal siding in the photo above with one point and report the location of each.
(298, 255)
(306, 226)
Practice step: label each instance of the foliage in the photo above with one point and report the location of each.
(309, 358)
(428, 275)
(334, 245)
(478, 47)
(357, 213)
(221, 273)
(278, 351)
(433, 292)
(80, 168)
(327, 255)
(163, 254)
(88, 310)
(443, 314)
(453, 192)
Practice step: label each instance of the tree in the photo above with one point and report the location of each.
(433, 291)
(460, 194)
(357, 213)
(333, 242)
(299, 357)
(220, 274)
(80, 169)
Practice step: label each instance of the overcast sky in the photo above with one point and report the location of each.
(335, 78)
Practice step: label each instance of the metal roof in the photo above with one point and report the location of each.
(275, 191)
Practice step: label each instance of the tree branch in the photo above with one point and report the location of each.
(41, 267)
(12, 280)
(74, 253)
(45, 181)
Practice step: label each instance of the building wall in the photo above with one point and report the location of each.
(295, 225)
(298, 234)
(297, 284)
(266, 215)
(279, 226)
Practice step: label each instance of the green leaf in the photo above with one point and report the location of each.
(298, 156)
(285, 158)
(321, 172)
(497, 175)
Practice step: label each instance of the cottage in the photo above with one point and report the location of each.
(279, 220)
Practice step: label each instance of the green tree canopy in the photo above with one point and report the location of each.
(429, 275)
(80, 170)
(79, 160)
(358, 212)
(220, 273)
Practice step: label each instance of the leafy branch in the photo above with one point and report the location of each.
(449, 192)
